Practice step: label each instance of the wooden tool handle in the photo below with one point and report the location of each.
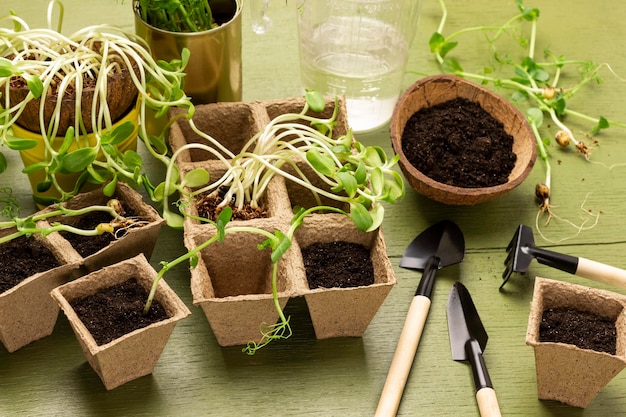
(403, 357)
(487, 403)
(601, 272)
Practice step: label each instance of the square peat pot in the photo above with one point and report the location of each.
(231, 124)
(343, 312)
(565, 372)
(232, 283)
(27, 313)
(134, 354)
(136, 240)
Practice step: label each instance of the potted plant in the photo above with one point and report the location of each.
(575, 360)
(73, 105)
(299, 157)
(130, 352)
(210, 30)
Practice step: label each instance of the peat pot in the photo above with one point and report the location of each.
(134, 354)
(565, 372)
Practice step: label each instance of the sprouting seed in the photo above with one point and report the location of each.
(542, 191)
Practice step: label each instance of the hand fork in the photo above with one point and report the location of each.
(522, 250)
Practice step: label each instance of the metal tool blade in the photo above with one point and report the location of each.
(443, 240)
(464, 323)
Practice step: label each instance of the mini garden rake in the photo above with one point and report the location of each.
(522, 250)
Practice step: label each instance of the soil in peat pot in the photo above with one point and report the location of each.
(21, 258)
(116, 311)
(458, 143)
(337, 264)
(207, 206)
(583, 329)
(88, 245)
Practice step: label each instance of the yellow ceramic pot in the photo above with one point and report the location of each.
(67, 181)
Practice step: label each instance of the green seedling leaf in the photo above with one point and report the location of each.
(535, 116)
(375, 156)
(35, 167)
(559, 106)
(346, 182)
(196, 178)
(603, 123)
(121, 132)
(378, 214)
(377, 181)
(67, 140)
(193, 261)
(315, 100)
(7, 68)
(361, 216)
(452, 66)
(34, 85)
(109, 189)
(44, 186)
(18, 144)
(321, 163)
(173, 220)
(438, 44)
(159, 191)
(284, 243)
(79, 160)
(3, 163)
(132, 159)
(222, 220)
(360, 174)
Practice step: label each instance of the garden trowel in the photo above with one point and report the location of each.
(440, 245)
(468, 339)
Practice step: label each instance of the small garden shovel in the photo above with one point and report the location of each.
(440, 245)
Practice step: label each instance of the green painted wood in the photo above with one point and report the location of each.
(344, 377)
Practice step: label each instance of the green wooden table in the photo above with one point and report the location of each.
(344, 377)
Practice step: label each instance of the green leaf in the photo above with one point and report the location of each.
(196, 178)
(35, 167)
(193, 261)
(3, 163)
(120, 133)
(377, 181)
(321, 163)
(222, 220)
(535, 116)
(44, 186)
(347, 182)
(361, 216)
(109, 189)
(315, 100)
(436, 42)
(7, 68)
(79, 160)
(284, 243)
(360, 175)
(132, 159)
(603, 123)
(34, 85)
(18, 144)
(451, 66)
(173, 220)
(559, 106)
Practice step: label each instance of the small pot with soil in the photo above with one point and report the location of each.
(105, 310)
(579, 337)
(30, 267)
(348, 274)
(460, 143)
(136, 236)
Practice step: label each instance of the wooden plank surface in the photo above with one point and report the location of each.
(344, 377)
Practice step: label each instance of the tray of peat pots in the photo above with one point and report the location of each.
(133, 230)
(272, 179)
(579, 338)
(30, 267)
(120, 333)
(460, 143)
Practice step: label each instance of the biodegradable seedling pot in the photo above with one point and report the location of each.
(344, 312)
(565, 372)
(27, 313)
(430, 91)
(232, 284)
(136, 353)
(137, 239)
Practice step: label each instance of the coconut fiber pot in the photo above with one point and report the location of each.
(435, 90)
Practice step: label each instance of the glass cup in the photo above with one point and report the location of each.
(358, 49)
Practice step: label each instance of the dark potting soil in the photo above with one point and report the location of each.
(116, 311)
(88, 245)
(22, 257)
(207, 206)
(583, 329)
(460, 144)
(337, 264)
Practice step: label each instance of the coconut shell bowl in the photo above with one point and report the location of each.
(435, 90)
